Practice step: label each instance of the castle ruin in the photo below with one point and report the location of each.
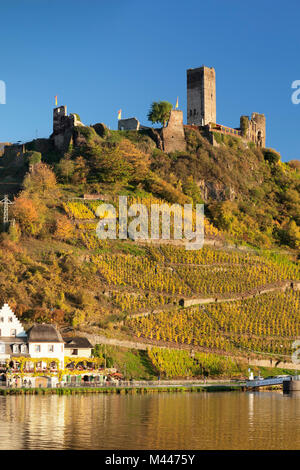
(254, 128)
(201, 109)
(63, 126)
(202, 114)
(172, 135)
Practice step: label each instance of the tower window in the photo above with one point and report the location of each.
(194, 112)
(191, 112)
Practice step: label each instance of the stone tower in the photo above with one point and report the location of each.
(63, 126)
(173, 135)
(254, 128)
(201, 96)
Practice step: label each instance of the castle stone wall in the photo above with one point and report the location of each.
(173, 137)
(256, 128)
(130, 124)
(63, 126)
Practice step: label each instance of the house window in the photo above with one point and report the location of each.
(37, 348)
(2, 348)
(10, 319)
(74, 352)
(15, 349)
(13, 332)
(51, 348)
(23, 348)
(0, 333)
(2, 319)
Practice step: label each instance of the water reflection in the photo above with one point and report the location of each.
(266, 420)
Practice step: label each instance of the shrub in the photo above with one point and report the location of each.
(271, 156)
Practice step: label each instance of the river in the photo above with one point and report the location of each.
(221, 420)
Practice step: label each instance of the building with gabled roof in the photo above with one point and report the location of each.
(45, 340)
(77, 346)
(13, 338)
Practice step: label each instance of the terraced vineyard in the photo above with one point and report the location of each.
(87, 210)
(267, 323)
(161, 275)
(155, 273)
(173, 363)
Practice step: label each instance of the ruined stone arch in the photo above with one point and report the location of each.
(259, 138)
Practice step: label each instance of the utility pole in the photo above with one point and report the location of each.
(5, 202)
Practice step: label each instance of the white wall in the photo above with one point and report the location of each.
(57, 353)
(82, 352)
(9, 322)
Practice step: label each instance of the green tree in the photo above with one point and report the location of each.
(66, 168)
(107, 164)
(271, 156)
(41, 181)
(190, 188)
(160, 112)
(33, 157)
(293, 234)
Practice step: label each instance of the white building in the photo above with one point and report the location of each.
(13, 338)
(77, 346)
(45, 341)
(41, 341)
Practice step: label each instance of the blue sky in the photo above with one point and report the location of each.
(100, 56)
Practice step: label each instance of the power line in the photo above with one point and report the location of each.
(5, 202)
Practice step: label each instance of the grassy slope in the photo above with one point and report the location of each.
(46, 278)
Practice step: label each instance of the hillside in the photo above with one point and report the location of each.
(237, 296)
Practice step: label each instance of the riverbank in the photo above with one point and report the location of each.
(120, 390)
